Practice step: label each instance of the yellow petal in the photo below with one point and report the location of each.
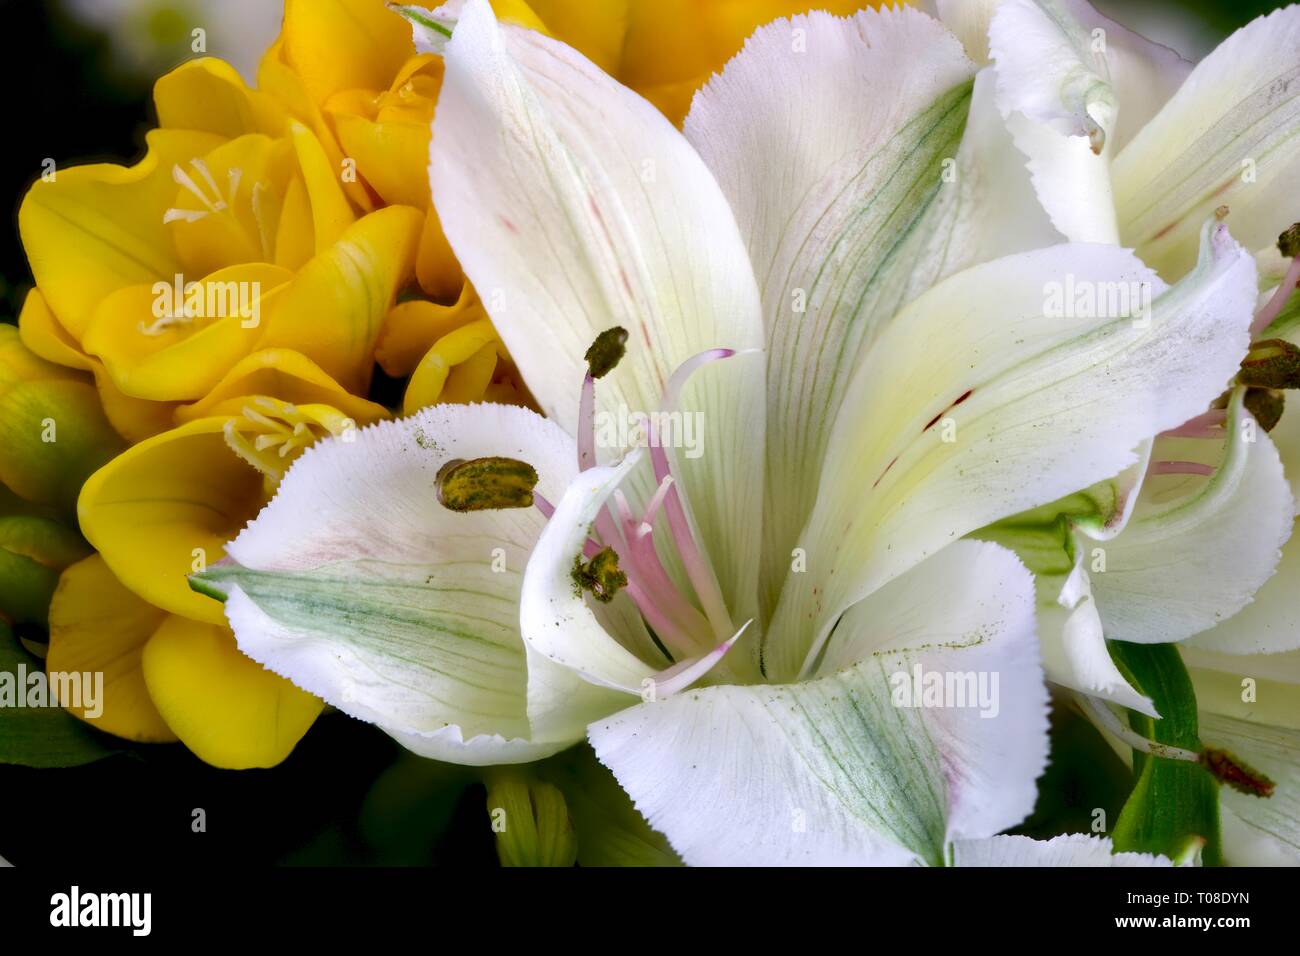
(152, 350)
(134, 419)
(42, 333)
(226, 708)
(674, 99)
(732, 21)
(524, 14)
(435, 265)
(295, 242)
(97, 625)
(97, 228)
(166, 507)
(475, 343)
(469, 380)
(412, 327)
(392, 157)
(330, 211)
(671, 47)
(333, 311)
(344, 44)
(208, 94)
(53, 434)
(285, 375)
(225, 208)
(278, 79)
(597, 30)
(666, 41)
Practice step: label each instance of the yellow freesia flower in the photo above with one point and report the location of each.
(236, 193)
(234, 200)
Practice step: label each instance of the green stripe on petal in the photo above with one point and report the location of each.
(359, 586)
(840, 198)
(983, 400)
(849, 768)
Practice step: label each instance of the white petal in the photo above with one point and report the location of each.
(1065, 74)
(1269, 624)
(1229, 136)
(575, 206)
(1072, 849)
(1261, 688)
(977, 403)
(485, 750)
(830, 152)
(1053, 88)
(994, 211)
(1275, 752)
(357, 585)
(1071, 181)
(969, 22)
(831, 771)
(1245, 845)
(1183, 567)
(556, 621)
(1074, 647)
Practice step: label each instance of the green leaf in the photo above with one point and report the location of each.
(1173, 801)
(44, 736)
(611, 832)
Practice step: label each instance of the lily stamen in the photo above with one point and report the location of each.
(1273, 308)
(650, 586)
(1180, 468)
(1206, 425)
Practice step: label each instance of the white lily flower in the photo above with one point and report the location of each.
(776, 275)
(1072, 83)
(1128, 144)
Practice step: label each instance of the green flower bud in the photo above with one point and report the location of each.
(531, 821)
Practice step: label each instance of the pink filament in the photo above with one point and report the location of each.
(697, 569)
(1206, 425)
(1273, 308)
(1180, 468)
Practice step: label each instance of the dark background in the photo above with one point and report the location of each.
(347, 794)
